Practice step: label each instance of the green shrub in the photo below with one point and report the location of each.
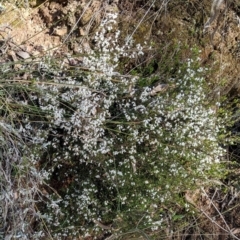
(113, 153)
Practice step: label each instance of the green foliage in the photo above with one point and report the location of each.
(113, 157)
(152, 149)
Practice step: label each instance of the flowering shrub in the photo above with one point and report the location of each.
(114, 153)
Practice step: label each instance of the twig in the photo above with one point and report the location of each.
(228, 230)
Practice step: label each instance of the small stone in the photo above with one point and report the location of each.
(82, 32)
(60, 31)
(33, 3)
(23, 54)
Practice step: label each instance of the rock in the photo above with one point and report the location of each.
(88, 12)
(23, 54)
(60, 31)
(82, 32)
